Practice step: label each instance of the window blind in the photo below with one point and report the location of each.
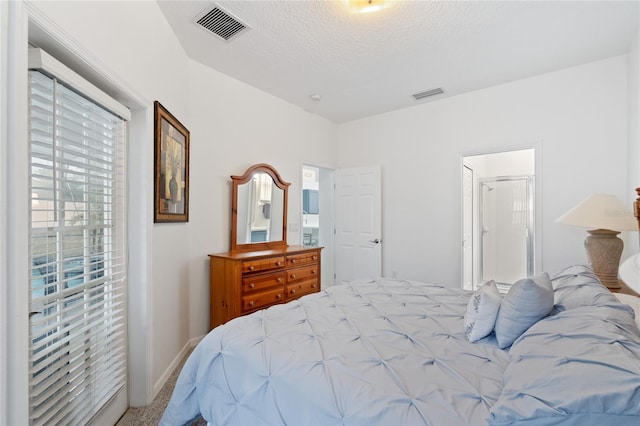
(78, 253)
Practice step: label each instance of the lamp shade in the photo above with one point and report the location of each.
(601, 211)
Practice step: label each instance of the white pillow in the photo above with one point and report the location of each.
(482, 310)
(527, 302)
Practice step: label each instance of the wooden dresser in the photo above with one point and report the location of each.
(244, 282)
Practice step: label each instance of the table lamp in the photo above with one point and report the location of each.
(605, 216)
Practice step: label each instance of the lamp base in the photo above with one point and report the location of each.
(604, 249)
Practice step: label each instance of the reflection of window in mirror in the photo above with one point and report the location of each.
(258, 211)
(262, 190)
(498, 217)
(264, 193)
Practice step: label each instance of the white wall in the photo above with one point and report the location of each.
(504, 163)
(234, 126)
(4, 142)
(576, 116)
(633, 73)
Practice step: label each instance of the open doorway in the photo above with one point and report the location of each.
(498, 218)
(310, 206)
(318, 216)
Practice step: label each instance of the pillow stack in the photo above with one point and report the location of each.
(527, 302)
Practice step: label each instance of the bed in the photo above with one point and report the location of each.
(395, 352)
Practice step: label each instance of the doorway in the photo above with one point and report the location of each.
(341, 212)
(498, 217)
(317, 216)
(311, 206)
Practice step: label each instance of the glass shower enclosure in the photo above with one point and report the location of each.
(506, 229)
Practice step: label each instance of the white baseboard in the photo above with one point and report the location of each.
(157, 387)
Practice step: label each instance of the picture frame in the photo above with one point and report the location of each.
(171, 167)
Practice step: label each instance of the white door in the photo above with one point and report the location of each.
(467, 228)
(358, 223)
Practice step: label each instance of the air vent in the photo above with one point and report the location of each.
(428, 93)
(221, 23)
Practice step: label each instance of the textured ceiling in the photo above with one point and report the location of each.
(366, 64)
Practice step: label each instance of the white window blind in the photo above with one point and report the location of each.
(78, 253)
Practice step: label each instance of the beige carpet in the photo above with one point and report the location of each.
(150, 415)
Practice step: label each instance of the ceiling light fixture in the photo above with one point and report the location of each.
(366, 6)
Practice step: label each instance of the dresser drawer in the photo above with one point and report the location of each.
(302, 259)
(254, 301)
(301, 288)
(262, 281)
(250, 266)
(242, 282)
(303, 273)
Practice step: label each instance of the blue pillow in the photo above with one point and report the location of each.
(527, 302)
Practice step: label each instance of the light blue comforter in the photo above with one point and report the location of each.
(390, 352)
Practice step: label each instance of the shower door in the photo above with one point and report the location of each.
(506, 227)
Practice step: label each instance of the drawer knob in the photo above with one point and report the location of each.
(252, 285)
(252, 303)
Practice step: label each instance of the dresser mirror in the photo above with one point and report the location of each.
(259, 209)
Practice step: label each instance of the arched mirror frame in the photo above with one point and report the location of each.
(246, 177)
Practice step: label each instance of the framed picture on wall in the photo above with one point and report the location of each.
(171, 167)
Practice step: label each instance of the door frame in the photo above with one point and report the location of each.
(537, 194)
(16, 402)
(468, 217)
(326, 187)
(26, 21)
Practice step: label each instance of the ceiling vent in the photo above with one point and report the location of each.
(428, 93)
(221, 23)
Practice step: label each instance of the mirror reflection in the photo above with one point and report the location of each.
(260, 210)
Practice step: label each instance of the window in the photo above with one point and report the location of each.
(78, 253)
